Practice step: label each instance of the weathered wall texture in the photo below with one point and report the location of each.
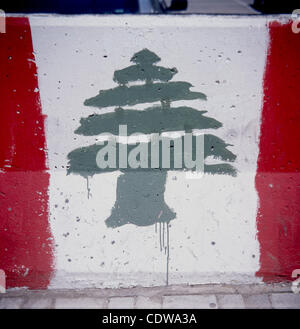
(64, 224)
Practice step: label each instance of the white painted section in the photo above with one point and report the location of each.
(222, 57)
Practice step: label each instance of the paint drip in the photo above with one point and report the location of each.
(164, 243)
(88, 187)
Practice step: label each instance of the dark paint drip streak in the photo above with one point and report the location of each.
(278, 168)
(163, 235)
(160, 244)
(164, 244)
(26, 250)
(168, 254)
(88, 187)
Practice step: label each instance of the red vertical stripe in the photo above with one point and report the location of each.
(25, 238)
(278, 172)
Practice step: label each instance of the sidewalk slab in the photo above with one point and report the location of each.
(190, 301)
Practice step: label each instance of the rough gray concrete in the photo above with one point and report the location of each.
(257, 301)
(177, 296)
(285, 300)
(121, 302)
(190, 301)
(230, 301)
(80, 303)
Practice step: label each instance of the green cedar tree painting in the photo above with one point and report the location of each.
(140, 191)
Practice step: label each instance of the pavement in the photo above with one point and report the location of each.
(213, 296)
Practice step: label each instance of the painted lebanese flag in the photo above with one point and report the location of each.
(243, 229)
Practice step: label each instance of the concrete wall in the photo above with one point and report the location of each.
(53, 230)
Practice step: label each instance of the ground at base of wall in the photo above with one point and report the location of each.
(276, 296)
